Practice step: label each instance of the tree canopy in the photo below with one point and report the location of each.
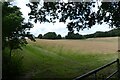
(80, 14)
(109, 12)
(40, 36)
(71, 35)
(14, 33)
(59, 36)
(14, 28)
(49, 35)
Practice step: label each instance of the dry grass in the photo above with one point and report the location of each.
(99, 45)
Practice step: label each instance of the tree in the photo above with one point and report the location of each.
(80, 14)
(59, 36)
(108, 12)
(14, 28)
(13, 37)
(71, 35)
(40, 36)
(50, 35)
(99, 34)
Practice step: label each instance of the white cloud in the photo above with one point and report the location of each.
(24, 9)
(59, 28)
(103, 27)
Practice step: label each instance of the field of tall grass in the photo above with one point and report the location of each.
(67, 59)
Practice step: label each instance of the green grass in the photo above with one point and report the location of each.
(56, 62)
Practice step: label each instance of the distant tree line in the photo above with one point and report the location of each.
(50, 35)
(71, 35)
(111, 33)
(53, 35)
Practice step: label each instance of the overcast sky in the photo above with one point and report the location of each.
(59, 28)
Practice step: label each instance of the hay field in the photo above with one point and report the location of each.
(99, 45)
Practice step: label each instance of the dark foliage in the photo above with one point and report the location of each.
(14, 33)
(50, 35)
(59, 36)
(80, 14)
(14, 28)
(71, 35)
(109, 12)
(40, 36)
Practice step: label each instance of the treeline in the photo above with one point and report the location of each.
(70, 35)
(49, 35)
(53, 35)
(111, 33)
